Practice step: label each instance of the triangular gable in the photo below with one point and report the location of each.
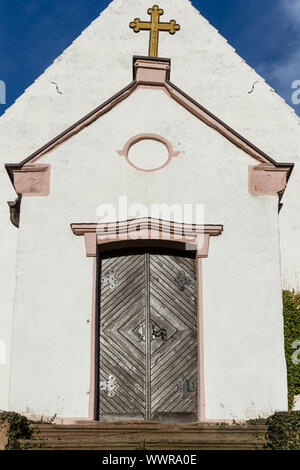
(151, 72)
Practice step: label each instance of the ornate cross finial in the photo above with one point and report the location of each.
(154, 27)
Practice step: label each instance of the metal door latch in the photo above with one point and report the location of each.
(156, 331)
(185, 386)
(140, 331)
(159, 332)
(111, 386)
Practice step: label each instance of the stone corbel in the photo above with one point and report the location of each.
(267, 180)
(203, 245)
(32, 180)
(90, 240)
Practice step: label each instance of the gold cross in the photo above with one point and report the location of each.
(154, 27)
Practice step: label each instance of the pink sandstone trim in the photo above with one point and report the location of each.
(201, 377)
(266, 180)
(92, 397)
(90, 240)
(124, 231)
(214, 124)
(78, 126)
(154, 74)
(146, 229)
(151, 72)
(32, 180)
(146, 223)
(155, 137)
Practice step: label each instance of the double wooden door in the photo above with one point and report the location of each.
(148, 366)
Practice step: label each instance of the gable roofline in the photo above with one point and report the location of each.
(154, 72)
(229, 133)
(74, 128)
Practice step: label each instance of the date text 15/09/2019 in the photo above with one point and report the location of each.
(151, 459)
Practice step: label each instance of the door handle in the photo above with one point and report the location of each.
(156, 331)
(159, 332)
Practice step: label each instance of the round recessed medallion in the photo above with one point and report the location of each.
(148, 152)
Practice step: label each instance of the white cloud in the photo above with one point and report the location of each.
(282, 74)
(285, 71)
(292, 9)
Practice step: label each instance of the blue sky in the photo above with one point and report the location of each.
(33, 33)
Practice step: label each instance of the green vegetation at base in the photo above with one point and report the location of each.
(291, 315)
(18, 427)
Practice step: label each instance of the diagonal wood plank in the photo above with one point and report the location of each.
(176, 359)
(139, 295)
(122, 301)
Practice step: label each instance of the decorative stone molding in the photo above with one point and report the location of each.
(266, 180)
(154, 73)
(32, 180)
(138, 138)
(149, 72)
(195, 236)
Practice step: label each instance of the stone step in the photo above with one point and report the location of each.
(208, 435)
(120, 428)
(140, 444)
(145, 435)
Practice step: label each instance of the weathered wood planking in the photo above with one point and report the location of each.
(148, 338)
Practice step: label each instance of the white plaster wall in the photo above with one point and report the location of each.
(290, 233)
(8, 247)
(245, 370)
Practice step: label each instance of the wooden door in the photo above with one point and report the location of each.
(148, 338)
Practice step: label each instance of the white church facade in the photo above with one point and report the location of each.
(152, 224)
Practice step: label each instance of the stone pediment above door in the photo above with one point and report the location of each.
(197, 237)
